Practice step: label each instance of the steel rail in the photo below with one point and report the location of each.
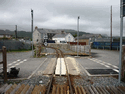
(59, 54)
(51, 79)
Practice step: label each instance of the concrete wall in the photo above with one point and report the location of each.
(63, 46)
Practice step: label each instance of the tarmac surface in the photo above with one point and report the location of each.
(101, 59)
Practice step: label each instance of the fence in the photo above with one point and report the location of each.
(75, 43)
(14, 45)
(4, 62)
(106, 45)
(81, 48)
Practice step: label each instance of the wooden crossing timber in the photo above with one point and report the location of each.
(64, 54)
(22, 89)
(49, 69)
(75, 54)
(60, 67)
(99, 90)
(60, 89)
(48, 53)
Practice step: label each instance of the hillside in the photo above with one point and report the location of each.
(28, 35)
(74, 32)
(21, 34)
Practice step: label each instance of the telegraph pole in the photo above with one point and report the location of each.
(111, 30)
(78, 35)
(32, 29)
(16, 32)
(121, 34)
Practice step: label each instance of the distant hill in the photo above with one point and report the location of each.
(20, 34)
(74, 32)
(28, 35)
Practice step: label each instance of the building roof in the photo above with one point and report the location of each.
(61, 35)
(2, 32)
(42, 30)
(87, 36)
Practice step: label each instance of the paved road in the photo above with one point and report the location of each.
(25, 62)
(101, 59)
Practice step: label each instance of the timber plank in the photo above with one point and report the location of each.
(79, 90)
(50, 67)
(93, 88)
(29, 91)
(54, 89)
(83, 91)
(3, 87)
(25, 89)
(20, 89)
(15, 89)
(10, 89)
(76, 92)
(7, 88)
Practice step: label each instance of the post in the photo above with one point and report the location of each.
(123, 62)
(78, 34)
(16, 32)
(4, 63)
(121, 34)
(111, 30)
(90, 49)
(84, 48)
(32, 29)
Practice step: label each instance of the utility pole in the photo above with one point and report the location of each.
(111, 31)
(32, 30)
(78, 35)
(121, 34)
(16, 32)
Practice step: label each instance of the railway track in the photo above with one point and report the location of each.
(57, 88)
(65, 87)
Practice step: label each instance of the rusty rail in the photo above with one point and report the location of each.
(59, 54)
(4, 62)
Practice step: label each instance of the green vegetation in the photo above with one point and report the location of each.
(21, 34)
(23, 50)
(75, 35)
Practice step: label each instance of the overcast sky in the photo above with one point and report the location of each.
(61, 14)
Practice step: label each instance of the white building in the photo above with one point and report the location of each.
(63, 37)
(4, 34)
(40, 34)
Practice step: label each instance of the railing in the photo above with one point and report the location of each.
(81, 48)
(4, 62)
(106, 45)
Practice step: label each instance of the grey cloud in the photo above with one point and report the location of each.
(94, 14)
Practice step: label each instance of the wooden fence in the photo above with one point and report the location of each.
(4, 62)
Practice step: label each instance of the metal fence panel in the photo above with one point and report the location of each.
(14, 45)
